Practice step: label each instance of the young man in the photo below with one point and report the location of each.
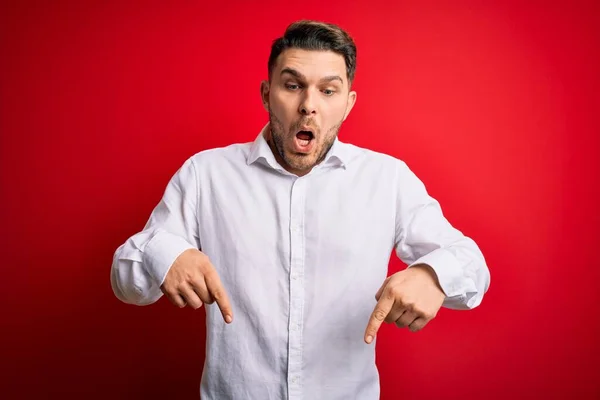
(290, 236)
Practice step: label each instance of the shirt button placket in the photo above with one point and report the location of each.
(295, 328)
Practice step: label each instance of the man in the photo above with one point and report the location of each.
(290, 237)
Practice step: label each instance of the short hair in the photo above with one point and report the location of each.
(318, 36)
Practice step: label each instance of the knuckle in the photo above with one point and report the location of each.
(169, 291)
(389, 319)
(418, 311)
(423, 313)
(428, 315)
(379, 315)
(393, 293)
(217, 295)
(203, 260)
(203, 256)
(196, 280)
(410, 305)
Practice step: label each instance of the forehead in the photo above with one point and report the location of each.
(313, 64)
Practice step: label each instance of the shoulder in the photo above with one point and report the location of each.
(236, 153)
(365, 158)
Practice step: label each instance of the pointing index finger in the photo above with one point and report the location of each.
(382, 309)
(217, 291)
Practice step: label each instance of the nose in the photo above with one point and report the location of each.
(307, 104)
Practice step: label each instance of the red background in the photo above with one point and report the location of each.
(495, 107)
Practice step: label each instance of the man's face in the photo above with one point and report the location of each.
(308, 98)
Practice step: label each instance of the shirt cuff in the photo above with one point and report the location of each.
(160, 253)
(448, 270)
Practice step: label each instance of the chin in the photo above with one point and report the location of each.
(300, 163)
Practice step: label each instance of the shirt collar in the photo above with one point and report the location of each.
(338, 155)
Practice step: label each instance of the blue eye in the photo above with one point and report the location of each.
(291, 86)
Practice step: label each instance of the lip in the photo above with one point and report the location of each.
(307, 128)
(298, 148)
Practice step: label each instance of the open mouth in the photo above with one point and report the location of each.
(304, 137)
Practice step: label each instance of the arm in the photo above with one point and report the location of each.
(424, 236)
(140, 264)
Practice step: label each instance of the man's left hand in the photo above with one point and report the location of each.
(409, 298)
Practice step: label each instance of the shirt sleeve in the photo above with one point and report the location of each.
(141, 263)
(424, 236)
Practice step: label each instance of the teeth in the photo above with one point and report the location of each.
(303, 142)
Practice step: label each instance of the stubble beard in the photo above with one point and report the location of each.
(300, 162)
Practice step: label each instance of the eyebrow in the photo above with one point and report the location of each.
(298, 75)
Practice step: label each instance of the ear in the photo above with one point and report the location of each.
(350, 105)
(264, 94)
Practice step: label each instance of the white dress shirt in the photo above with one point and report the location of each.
(301, 259)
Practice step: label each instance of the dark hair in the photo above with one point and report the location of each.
(316, 35)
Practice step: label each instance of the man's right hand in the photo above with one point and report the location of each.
(193, 280)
